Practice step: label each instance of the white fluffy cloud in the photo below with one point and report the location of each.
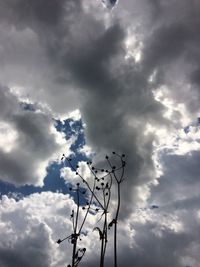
(149, 237)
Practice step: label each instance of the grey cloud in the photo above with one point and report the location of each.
(94, 58)
(36, 246)
(30, 228)
(173, 48)
(34, 145)
(31, 12)
(180, 180)
(43, 218)
(86, 65)
(115, 105)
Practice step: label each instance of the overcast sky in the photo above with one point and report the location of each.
(84, 78)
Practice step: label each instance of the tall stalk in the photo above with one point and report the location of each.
(118, 179)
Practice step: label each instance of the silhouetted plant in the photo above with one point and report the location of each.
(99, 193)
(77, 254)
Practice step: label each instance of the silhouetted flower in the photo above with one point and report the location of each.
(59, 241)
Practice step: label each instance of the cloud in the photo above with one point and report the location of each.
(84, 58)
(34, 223)
(29, 142)
(78, 57)
(30, 228)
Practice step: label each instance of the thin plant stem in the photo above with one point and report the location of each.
(75, 229)
(115, 225)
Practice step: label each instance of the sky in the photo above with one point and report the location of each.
(86, 78)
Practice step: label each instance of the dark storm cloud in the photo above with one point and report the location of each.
(174, 44)
(41, 12)
(94, 57)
